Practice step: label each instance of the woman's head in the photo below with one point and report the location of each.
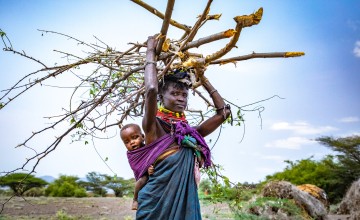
(174, 90)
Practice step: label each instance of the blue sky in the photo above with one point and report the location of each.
(320, 90)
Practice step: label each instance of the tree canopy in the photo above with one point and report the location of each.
(21, 182)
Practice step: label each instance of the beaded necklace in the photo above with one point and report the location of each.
(170, 116)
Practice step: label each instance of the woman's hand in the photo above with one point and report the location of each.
(200, 78)
(200, 74)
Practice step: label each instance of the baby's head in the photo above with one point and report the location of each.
(132, 136)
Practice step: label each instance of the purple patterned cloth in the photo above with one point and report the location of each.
(141, 159)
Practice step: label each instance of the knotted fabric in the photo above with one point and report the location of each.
(182, 129)
(141, 158)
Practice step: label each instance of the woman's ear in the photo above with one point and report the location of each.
(160, 98)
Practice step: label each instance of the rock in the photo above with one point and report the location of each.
(285, 190)
(351, 202)
(316, 192)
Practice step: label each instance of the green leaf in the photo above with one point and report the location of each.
(72, 120)
(86, 142)
(103, 84)
(2, 33)
(226, 181)
(80, 125)
(106, 158)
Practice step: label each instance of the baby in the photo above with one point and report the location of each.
(133, 139)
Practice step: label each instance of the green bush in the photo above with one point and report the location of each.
(5, 192)
(35, 192)
(80, 192)
(62, 215)
(66, 190)
(65, 186)
(51, 190)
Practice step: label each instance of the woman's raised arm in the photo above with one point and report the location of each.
(151, 90)
(222, 110)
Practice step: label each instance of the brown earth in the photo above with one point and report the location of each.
(86, 208)
(94, 208)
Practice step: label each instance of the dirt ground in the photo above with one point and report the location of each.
(94, 208)
(81, 208)
(86, 208)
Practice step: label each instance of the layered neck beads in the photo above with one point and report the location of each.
(170, 116)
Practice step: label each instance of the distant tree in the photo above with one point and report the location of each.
(349, 155)
(96, 183)
(320, 173)
(65, 186)
(21, 182)
(99, 183)
(205, 186)
(348, 149)
(120, 186)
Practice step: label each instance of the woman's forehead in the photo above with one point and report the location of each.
(175, 87)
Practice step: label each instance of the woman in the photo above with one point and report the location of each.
(171, 192)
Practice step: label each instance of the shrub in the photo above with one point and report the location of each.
(65, 186)
(66, 190)
(80, 192)
(35, 192)
(62, 215)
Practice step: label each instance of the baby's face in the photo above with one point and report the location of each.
(132, 138)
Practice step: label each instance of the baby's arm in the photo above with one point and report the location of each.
(151, 170)
(138, 186)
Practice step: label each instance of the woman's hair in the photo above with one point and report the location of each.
(179, 79)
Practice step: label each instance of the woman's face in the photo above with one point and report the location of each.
(175, 99)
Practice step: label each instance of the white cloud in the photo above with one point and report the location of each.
(301, 128)
(292, 143)
(357, 49)
(349, 119)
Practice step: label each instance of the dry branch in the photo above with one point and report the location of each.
(258, 55)
(241, 21)
(161, 15)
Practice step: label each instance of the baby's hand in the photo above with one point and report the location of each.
(151, 170)
(134, 205)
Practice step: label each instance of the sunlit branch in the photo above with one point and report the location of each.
(161, 15)
(165, 26)
(241, 21)
(258, 55)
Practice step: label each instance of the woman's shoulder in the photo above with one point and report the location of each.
(155, 133)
